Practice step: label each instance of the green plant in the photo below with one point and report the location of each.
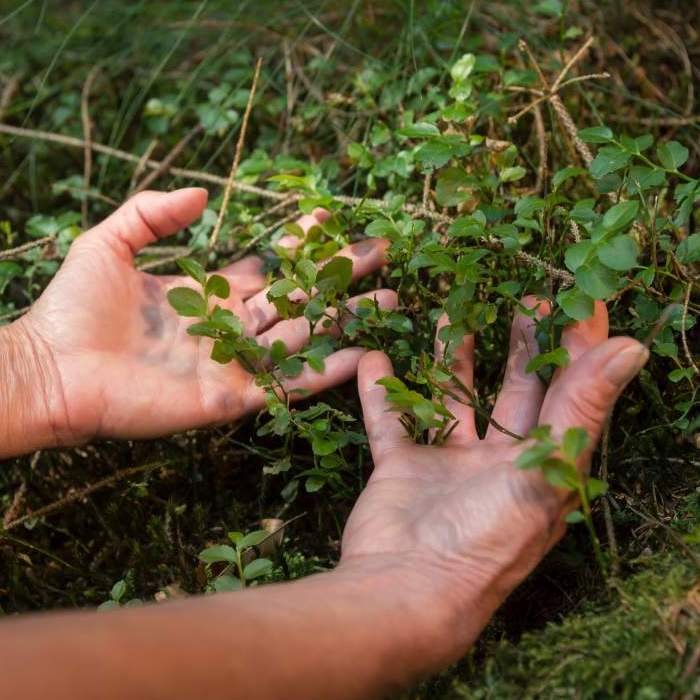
(558, 465)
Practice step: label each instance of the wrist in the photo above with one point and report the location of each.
(30, 403)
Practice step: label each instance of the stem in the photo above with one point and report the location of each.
(586, 508)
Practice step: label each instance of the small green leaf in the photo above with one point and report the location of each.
(608, 160)
(595, 488)
(596, 280)
(257, 568)
(512, 174)
(226, 583)
(306, 271)
(688, 250)
(596, 134)
(576, 516)
(118, 590)
(577, 254)
(281, 288)
(558, 357)
(193, 269)
(219, 552)
(187, 302)
(561, 176)
(575, 303)
(381, 228)
(620, 215)
(619, 253)
(419, 130)
(462, 69)
(252, 539)
(574, 442)
(672, 154)
(335, 275)
(217, 286)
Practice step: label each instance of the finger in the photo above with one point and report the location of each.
(366, 256)
(245, 276)
(384, 430)
(340, 367)
(581, 336)
(519, 401)
(147, 217)
(463, 369)
(294, 333)
(587, 390)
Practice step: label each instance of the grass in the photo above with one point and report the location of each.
(338, 84)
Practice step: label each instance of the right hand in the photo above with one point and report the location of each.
(460, 524)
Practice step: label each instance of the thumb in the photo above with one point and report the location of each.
(587, 390)
(148, 216)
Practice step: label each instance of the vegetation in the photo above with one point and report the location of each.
(503, 150)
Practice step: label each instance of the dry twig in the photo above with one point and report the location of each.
(236, 158)
(87, 135)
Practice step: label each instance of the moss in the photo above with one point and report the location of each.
(636, 647)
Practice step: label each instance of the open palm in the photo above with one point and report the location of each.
(120, 361)
(459, 515)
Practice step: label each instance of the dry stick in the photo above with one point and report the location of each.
(152, 264)
(291, 95)
(141, 165)
(236, 158)
(542, 143)
(167, 161)
(38, 135)
(684, 337)
(279, 197)
(8, 93)
(87, 134)
(13, 511)
(82, 494)
(17, 251)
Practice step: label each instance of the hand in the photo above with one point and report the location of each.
(110, 356)
(460, 524)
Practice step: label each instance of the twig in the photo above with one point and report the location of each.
(542, 143)
(426, 189)
(8, 93)
(13, 511)
(607, 515)
(152, 264)
(141, 165)
(82, 494)
(279, 197)
(236, 158)
(73, 142)
(18, 250)
(87, 135)
(572, 62)
(684, 337)
(167, 161)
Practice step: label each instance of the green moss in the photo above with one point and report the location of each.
(634, 648)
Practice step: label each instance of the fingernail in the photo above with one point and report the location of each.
(622, 366)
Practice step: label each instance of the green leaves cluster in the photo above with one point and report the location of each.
(233, 566)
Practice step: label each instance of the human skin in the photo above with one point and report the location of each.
(434, 544)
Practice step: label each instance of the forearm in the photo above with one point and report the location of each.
(344, 634)
(27, 394)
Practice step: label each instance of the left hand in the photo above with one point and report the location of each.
(110, 357)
